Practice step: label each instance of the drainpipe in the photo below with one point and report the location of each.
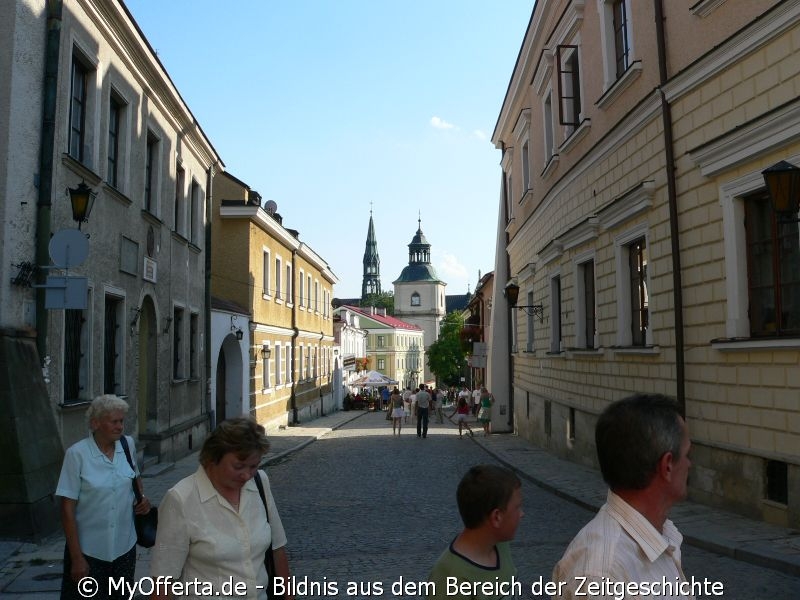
(207, 292)
(295, 336)
(508, 312)
(46, 151)
(672, 194)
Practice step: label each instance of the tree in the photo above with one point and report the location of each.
(381, 300)
(446, 355)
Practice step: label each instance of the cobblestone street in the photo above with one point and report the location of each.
(365, 507)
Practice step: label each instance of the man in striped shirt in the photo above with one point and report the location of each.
(630, 548)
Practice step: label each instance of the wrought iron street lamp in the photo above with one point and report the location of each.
(783, 184)
(511, 291)
(82, 200)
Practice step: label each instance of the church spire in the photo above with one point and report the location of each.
(371, 283)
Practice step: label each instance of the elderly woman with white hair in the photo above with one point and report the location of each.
(98, 502)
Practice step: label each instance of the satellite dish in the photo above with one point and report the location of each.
(68, 248)
(271, 206)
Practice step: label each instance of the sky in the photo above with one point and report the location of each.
(335, 108)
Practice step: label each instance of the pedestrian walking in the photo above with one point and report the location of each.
(423, 407)
(215, 526)
(461, 411)
(98, 502)
(476, 401)
(485, 412)
(413, 400)
(489, 500)
(438, 404)
(642, 447)
(398, 412)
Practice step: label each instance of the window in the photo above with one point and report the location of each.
(76, 355)
(179, 182)
(381, 364)
(177, 344)
(115, 108)
(288, 364)
(548, 128)
(265, 274)
(569, 90)
(278, 275)
(622, 43)
(194, 323)
(308, 362)
(265, 370)
(289, 283)
(194, 203)
(555, 321)
(773, 269)
(77, 109)
(308, 292)
(586, 310)
(415, 299)
(300, 356)
(316, 296)
(112, 346)
(151, 159)
(381, 341)
(526, 171)
(301, 280)
(531, 324)
(278, 373)
(639, 301)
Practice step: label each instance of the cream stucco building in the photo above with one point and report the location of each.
(634, 213)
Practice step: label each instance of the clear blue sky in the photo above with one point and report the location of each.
(326, 106)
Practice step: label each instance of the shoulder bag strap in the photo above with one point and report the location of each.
(123, 440)
(260, 486)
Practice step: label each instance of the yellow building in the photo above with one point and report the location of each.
(635, 225)
(394, 347)
(259, 264)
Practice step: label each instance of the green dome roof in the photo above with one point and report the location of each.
(418, 272)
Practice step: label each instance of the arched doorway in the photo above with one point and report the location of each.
(148, 368)
(229, 382)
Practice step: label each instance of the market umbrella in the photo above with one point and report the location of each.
(373, 379)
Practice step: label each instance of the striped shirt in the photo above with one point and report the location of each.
(618, 550)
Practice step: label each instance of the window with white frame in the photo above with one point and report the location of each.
(301, 295)
(289, 290)
(113, 345)
(180, 180)
(266, 266)
(278, 364)
(555, 317)
(381, 341)
(531, 324)
(151, 171)
(415, 299)
(265, 374)
(278, 276)
(308, 292)
(76, 355)
(289, 377)
(585, 314)
(194, 209)
(300, 357)
(569, 87)
(547, 111)
(194, 345)
(633, 302)
(381, 364)
(773, 268)
(78, 107)
(116, 111)
(316, 296)
(526, 168)
(616, 38)
(308, 362)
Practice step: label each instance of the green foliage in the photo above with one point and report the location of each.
(382, 300)
(446, 356)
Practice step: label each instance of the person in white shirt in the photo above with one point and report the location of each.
(643, 450)
(476, 401)
(214, 527)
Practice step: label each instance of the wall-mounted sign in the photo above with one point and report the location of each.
(150, 271)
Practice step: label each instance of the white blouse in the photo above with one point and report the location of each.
(202, 538)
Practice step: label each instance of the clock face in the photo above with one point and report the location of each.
(151, 241)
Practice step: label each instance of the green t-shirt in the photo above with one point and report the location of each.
(457, 570)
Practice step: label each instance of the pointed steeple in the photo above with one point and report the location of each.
(371, 283)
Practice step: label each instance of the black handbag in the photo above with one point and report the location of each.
(145, 525)
(269, 558)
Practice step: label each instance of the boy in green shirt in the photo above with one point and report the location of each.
(477, 564)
